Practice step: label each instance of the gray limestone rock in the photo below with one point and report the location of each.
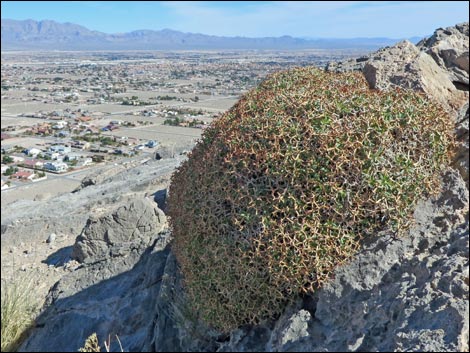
(404, 65)
(51, 238)
(449, 47)
(437, 66)
(461, 157)
(115, 296)
(98, 177)
(297, 327)
(347, 65)
(130, 226)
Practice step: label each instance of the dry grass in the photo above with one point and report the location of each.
(19, 308)
(92, 344)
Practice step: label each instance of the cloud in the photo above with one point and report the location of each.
(316, 19)
(327, 19)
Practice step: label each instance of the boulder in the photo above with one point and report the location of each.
(449, 47)
(404, 65)
(112, 296)
(130, 226)
(51, 238)
(437, 66)
(97, 177)
(347, 65)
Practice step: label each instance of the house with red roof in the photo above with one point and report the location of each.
(33, 163)
(24, 175)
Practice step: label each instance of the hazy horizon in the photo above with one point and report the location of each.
(340, 19)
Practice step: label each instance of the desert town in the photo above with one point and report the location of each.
(65, 114)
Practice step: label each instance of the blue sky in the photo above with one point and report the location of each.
(340, 19)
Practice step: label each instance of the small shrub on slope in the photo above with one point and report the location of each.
(282, 188)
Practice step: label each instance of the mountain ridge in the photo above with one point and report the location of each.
(51, 35)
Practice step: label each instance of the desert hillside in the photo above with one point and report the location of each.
(403, 287)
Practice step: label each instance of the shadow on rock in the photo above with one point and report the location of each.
(160, 198)
(60, 257)
(113, 297)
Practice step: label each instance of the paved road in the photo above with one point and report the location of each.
(135, 108)
(79, 174)
(177, 105)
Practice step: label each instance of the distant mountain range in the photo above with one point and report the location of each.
(51, 35)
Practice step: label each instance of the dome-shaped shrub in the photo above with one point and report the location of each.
(282, 188)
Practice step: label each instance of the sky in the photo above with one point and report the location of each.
(305, 19)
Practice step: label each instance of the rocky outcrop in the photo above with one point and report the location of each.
(130, 226)
(437, 66)
(113, 292)
(113, 297)
(403, 65)
(26, 220)
(449, 47)
(461, 151)
(375, 303)
(347, 65)
(99, 176)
